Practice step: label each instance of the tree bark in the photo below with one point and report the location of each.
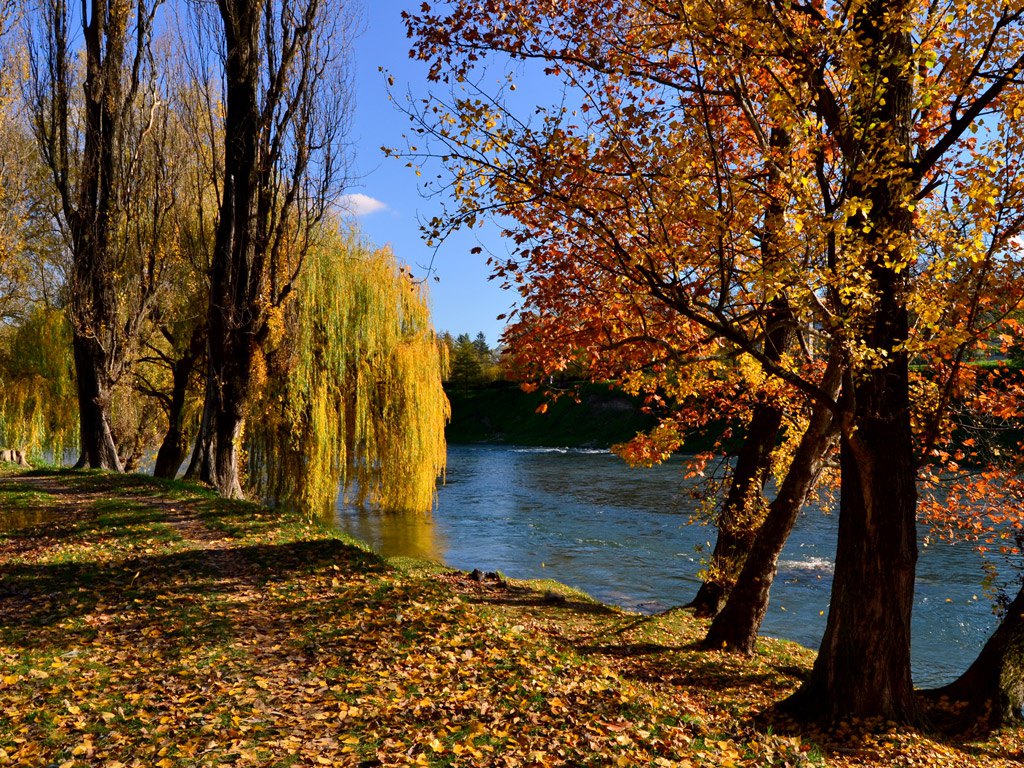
(219, 454)
(217, 448)
(92, 294)
(174, 446)
(990, 694)
(199, 449)
(745, 507)
(742, 511)
(737, 625)
(98, 448)
(282, 127)
(237, 274)
(863, 665)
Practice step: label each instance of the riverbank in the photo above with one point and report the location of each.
(150, 623)
(501, 413)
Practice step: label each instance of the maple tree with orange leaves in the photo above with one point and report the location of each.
(717, 170)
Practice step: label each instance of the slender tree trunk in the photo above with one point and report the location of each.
(742, 511)
(174, 446)
(98, 448)
(990, 694)
(200, 449)
(744, 507)
(737, 625)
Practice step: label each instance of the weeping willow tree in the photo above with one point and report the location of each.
(38, 405)
(352, 396)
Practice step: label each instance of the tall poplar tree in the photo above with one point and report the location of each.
(90, 122)
(285, 111)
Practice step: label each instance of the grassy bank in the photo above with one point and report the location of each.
(151, 624)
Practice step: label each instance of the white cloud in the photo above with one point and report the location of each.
(359, 204)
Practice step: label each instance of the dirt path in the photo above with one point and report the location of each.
(64, 501)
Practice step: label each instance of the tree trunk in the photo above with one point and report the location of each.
(199, 449)
(98, 448)
(237, 272)
(737, 625)
(863, 665)
(215, 461)
(174, 446)
(990, 694)
(742, 511)
(218, 457)
(93, 301)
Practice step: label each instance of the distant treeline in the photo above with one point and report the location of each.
(488, 405)
(596, 416)
(472, 361)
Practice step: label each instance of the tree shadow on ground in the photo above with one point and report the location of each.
(36, 596)
(688, 666)
(497, 592)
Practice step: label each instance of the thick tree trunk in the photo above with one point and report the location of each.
(990, 694)
(742, 511)
(737, 625)
(218, 458)
(237, 273)
(174, 446)
(863, 665)
(98, 352)
(215, 460)
(98, 448)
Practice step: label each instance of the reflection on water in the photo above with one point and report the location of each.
(15, 519)
(392, 534)
(624, 536)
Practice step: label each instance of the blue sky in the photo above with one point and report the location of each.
(386, 194)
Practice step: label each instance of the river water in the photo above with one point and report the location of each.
(624, 536)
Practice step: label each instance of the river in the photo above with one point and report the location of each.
(624, 536)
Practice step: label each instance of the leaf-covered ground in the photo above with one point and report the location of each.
(151, 624)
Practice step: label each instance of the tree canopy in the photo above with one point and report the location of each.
(353, 393)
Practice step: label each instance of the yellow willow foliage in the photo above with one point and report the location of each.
(38, 400)
(354, 397)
